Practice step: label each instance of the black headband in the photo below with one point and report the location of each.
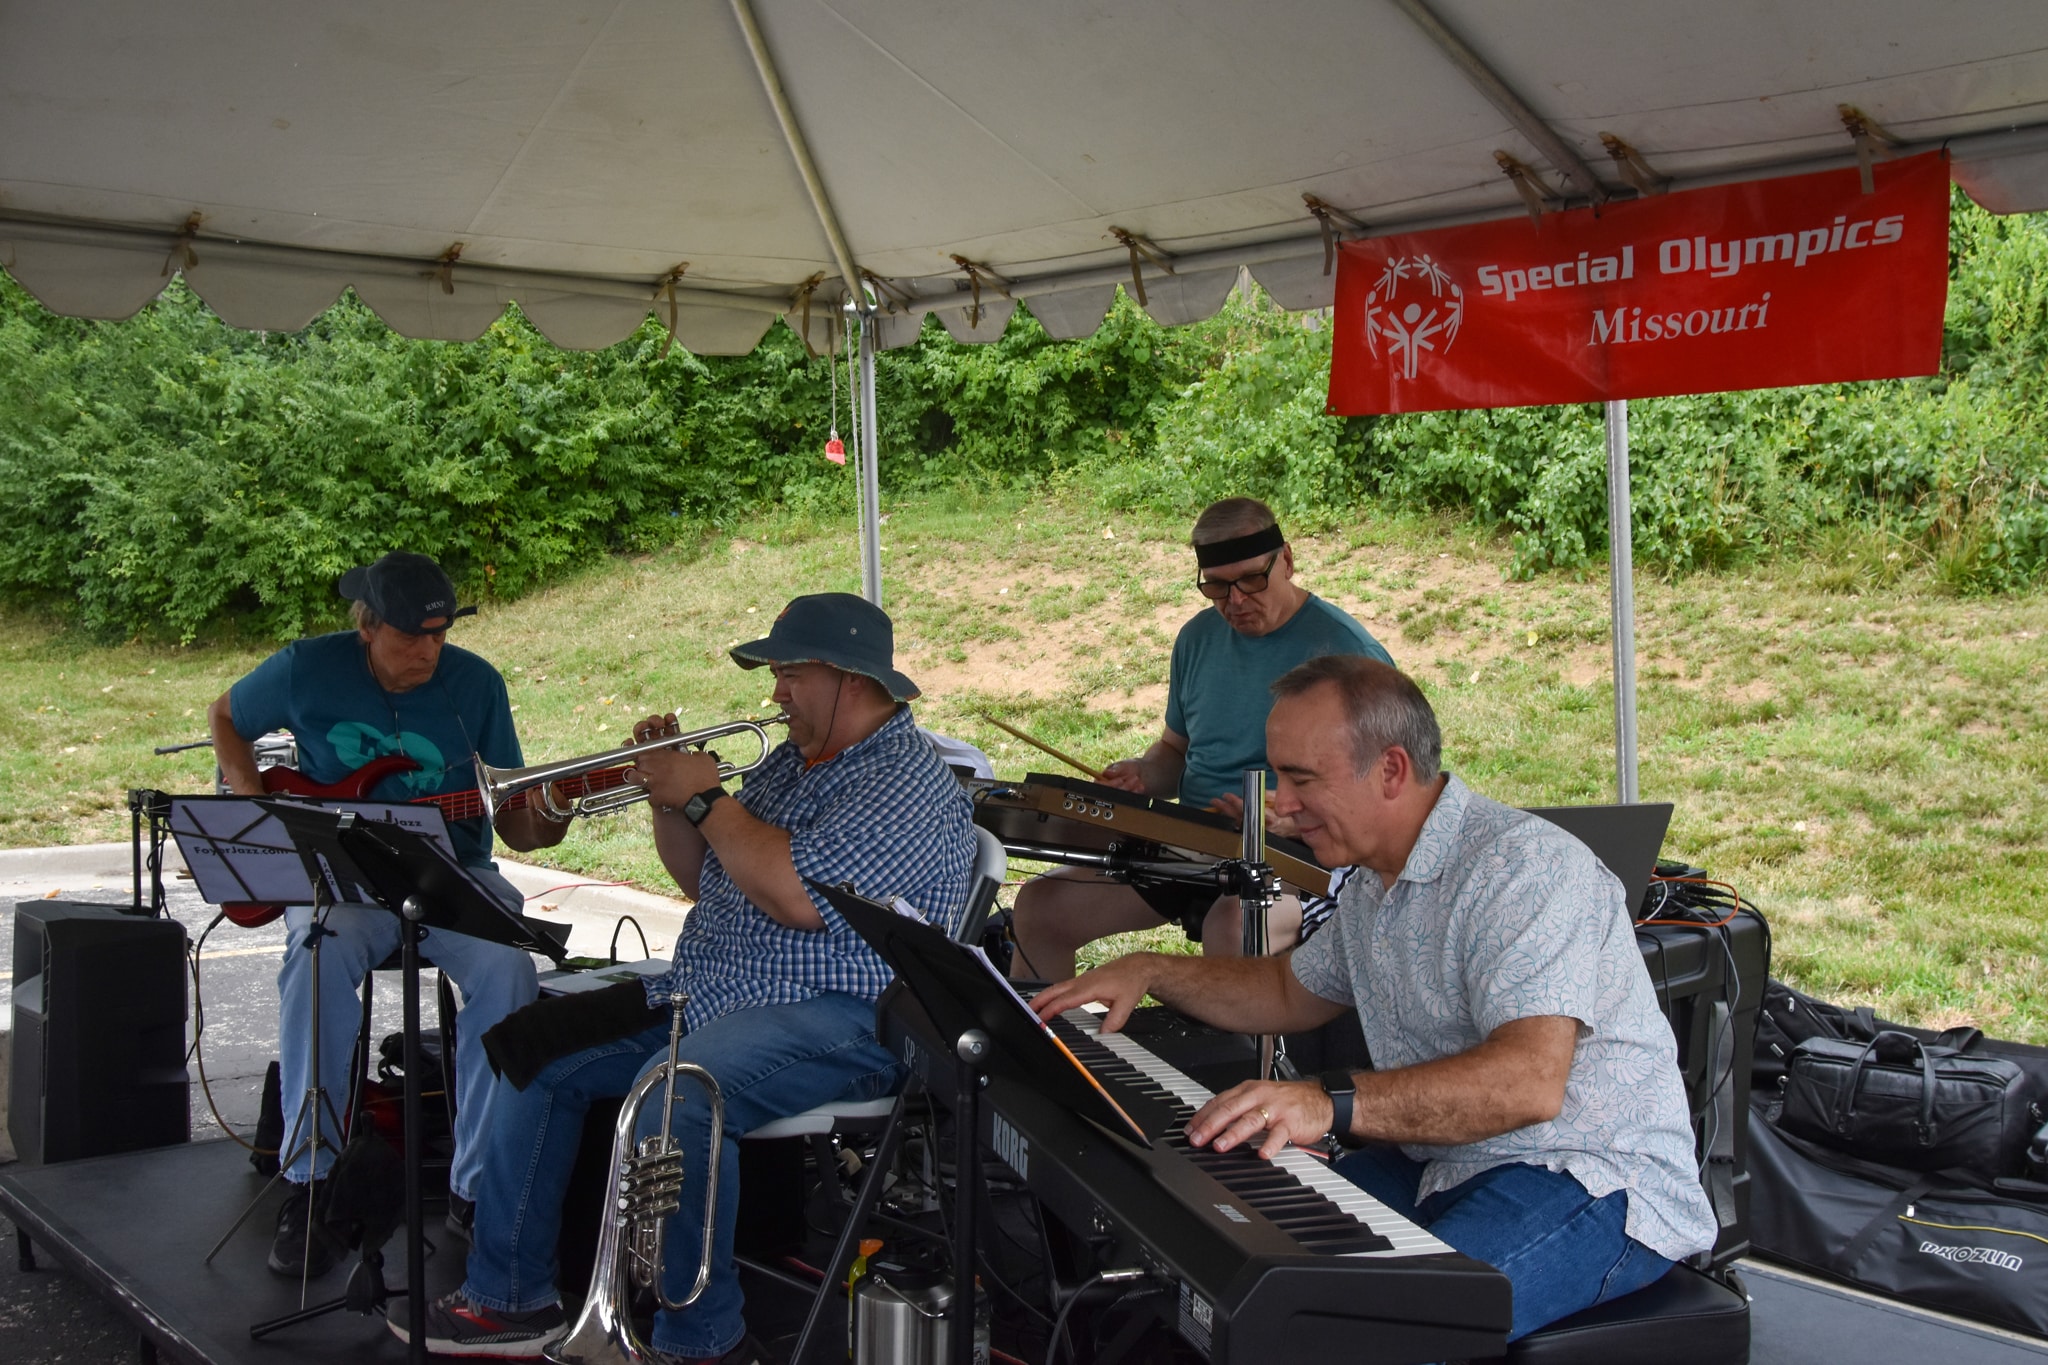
(1241, 548)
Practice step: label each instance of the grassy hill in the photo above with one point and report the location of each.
(1860, 752)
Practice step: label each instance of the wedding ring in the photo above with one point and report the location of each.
(1265, 1115)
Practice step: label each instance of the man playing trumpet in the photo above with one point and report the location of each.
(781, 990)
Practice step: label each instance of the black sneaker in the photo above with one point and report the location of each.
(461, 1217)
(297, 1250)
(457, 1327)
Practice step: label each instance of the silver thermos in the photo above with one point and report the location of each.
(900, 1317)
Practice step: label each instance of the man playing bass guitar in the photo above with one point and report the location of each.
(393, 686)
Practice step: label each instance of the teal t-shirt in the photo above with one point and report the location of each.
(321, 689)
(1217, 694)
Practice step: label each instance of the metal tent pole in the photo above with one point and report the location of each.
(867, 440)
(870, 441)
(1622, 597)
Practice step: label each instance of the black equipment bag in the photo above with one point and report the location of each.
(1932, 1238)
(1903, 1102)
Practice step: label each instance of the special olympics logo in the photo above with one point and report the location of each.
(1398, 313)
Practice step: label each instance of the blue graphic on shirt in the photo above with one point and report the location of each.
(323, 691)
(356, 744)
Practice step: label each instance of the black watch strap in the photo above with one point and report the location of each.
(699, 806)
(1341, 1088)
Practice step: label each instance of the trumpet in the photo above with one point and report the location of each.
(648, 1186)
(600, 778)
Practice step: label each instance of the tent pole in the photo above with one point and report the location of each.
(799, 147)
(1622, 597)
(869, 440)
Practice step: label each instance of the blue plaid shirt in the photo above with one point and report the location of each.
(887, 815)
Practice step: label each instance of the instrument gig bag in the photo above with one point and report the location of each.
(1977, 1250)
(1903, 1102)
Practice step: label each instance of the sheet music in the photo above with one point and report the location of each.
(239, 852)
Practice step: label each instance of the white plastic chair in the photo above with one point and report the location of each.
(991, 865)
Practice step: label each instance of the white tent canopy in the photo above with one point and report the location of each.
(721, 163)
(446, 156)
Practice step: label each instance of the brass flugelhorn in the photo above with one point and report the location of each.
(647, 1186)
(605, 789)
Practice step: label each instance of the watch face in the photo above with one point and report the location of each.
(1337, 1082)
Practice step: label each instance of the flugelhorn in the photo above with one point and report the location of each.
(600, 797)
(647, 1181)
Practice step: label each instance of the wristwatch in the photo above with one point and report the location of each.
(699, 806)
(1340, 1087)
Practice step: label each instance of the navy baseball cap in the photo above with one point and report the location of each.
(405, 590)
(847, 632)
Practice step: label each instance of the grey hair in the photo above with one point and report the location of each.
(1231, 518)
(1385, 709)
(364, 615)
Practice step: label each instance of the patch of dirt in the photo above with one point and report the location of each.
(1751, 692)
(1464, 613)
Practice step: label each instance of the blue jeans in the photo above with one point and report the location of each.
(493, 981)
(1561, 1249)
(770, 1062)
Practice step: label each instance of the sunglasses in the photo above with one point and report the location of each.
(1250, 584)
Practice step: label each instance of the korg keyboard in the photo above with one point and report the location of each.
(1280, 1260)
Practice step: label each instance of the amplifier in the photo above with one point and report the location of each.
(98, 1060)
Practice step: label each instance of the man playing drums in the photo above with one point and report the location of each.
(1224, 663)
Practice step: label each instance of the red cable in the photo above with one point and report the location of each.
(571, 886)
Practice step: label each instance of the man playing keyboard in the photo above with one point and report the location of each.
(1527, 1107)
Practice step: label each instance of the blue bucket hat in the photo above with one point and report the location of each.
(837, 628)
(405, 590)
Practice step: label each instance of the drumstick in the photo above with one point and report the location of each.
(1071, 762)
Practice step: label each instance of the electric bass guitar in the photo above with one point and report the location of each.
(357, 786)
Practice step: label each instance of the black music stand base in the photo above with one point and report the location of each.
(366, 1292)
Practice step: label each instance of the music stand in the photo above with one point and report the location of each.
(239, 855)
(419, 881)
(994, 1033)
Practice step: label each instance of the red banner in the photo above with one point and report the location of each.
(1803, 280)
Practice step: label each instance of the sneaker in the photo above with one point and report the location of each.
(461, 1217)
(299, 1251)
(457, 1327)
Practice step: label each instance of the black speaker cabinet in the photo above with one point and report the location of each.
(98, 1063)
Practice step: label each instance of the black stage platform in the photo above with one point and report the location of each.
(135, 1227)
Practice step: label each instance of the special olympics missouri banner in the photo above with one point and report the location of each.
(1802, 280)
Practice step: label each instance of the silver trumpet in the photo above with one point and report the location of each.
(605, 789)
(630, 1241)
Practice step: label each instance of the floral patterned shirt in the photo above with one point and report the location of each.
(1500, 915)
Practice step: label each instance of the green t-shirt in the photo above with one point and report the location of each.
(1217, 692)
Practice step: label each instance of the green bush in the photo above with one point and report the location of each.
(167, 473)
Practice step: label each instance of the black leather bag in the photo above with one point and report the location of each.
(1903, 1102)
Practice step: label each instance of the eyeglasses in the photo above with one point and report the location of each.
(1250, 584)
